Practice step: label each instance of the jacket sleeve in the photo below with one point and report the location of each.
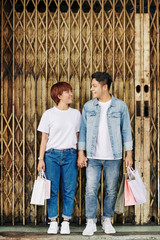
(126, 129)
(82, 133)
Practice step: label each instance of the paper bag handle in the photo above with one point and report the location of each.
(41, 174)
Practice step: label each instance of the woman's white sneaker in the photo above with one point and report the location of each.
(107, 226)
(53, 228)
(90, 229)
(65, 228)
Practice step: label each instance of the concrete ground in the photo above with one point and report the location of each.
(39, 233)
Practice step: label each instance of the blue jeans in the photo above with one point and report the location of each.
(61, 163)
(93, 175)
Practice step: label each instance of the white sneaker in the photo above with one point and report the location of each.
(90, 228)
(53, 228)
(65, 228)
(107, 226)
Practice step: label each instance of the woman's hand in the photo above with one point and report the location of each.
(41, 165)
(82, 160)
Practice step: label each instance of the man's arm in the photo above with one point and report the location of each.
(82, 160)
(127, 136)
(129, 159)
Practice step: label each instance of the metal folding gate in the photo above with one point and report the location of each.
(45, 41)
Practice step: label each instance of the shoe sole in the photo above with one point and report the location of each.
(89, 234)
(52, 232)
(63, 232)
(108, 232)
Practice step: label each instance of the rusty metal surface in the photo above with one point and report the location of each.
(45, 41)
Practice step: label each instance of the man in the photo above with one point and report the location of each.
(105, 124)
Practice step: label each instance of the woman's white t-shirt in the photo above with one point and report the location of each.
(61, 126)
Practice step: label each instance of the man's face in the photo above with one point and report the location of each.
(97, 89)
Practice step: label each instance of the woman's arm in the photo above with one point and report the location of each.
(41, 164)
(77, 134)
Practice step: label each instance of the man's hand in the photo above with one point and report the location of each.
(82, 160)
(41, 165)
(129, 160)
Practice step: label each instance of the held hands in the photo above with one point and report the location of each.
(41, 165)
(82, 160)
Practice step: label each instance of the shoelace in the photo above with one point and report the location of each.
(65, 223)
(89, 224)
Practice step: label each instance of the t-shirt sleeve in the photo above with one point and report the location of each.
(44, 124)
(78, 121)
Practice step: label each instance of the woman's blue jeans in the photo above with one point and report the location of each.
(61, 163)
(93, 175)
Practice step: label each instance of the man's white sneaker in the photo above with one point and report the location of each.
(107, 226)
(53, 228)
(90, 228)
(65, 228)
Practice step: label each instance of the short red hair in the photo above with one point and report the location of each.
(58, 89)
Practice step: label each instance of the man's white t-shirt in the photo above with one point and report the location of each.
(61, 126)
(103, 148)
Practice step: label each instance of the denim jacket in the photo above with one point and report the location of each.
(119, 128)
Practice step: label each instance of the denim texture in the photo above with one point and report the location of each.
(93, 175)
(61, 163)
(119, 128)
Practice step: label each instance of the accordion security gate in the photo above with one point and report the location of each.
(45, 41)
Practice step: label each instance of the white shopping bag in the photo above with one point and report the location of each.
(41, 190)
(137, 186)
(38, 192)
(47, 193)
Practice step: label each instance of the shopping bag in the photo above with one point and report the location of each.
(41, 189)
(119, 206)
(47, 189)
(38, 192)
(137, 186)
(129, 199)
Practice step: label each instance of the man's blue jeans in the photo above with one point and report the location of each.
(93, 175)
(61, 163)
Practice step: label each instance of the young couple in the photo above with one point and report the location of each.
(100, 132)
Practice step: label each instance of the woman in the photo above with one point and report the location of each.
(58, 153)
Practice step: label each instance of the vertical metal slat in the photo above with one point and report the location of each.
(2, 35)
(13, 119)
(24, 90)
(36, 49)
(158, 110)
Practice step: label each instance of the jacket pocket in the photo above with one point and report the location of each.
(91, 114)
(115, 115)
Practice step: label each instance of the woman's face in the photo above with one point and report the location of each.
(66, 97)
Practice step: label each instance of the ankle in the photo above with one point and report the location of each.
(107, 219)
(65, 220)
(54, 220)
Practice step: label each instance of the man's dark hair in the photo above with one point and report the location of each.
(103, 78)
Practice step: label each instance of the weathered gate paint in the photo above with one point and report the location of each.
(43, 42)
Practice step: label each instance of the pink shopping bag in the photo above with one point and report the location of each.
(128, 196)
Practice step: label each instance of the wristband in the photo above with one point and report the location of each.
(39, 158)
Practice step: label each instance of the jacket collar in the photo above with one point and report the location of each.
(95, 101)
